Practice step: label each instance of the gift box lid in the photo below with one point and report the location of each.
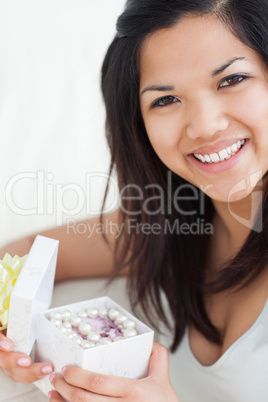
(32, 293)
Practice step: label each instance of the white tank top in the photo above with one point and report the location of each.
(240, 374)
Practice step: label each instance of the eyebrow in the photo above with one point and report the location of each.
(160, 88)
(217, 71)
(220, 69)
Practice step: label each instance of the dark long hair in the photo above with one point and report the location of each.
(165, 261)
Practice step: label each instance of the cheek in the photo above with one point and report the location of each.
(252, 108)
(164, 133)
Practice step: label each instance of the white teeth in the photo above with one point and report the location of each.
(214, 157)
(222, 155)
(234, 148)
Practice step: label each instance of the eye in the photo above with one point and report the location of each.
(233, 80)
(165, 101)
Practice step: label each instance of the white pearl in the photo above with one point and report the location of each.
(113, 313)
(92, 312)
(120, 318)
(105, 341)
(82, 314)
(55, 314)
(75, 321)
(70, 335)
(129, 324)
(103, 312)
(66, 315)
(67, 324)
(62, 329)
(94, 337)
(129, 332)
(84, 328)
(118, 338)
(69, 330)
(77, 339)
(87, 345)
(55, 321)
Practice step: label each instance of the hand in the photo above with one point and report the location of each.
(18, 366)
(81, 385)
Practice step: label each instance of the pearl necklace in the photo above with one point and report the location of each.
(110, 326)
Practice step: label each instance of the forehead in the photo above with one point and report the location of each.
(196, 44)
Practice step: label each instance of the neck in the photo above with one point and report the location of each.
(232, 224)
(235, 219)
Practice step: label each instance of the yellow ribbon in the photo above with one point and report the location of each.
(9, 271)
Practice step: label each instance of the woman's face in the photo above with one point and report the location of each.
(204, 101)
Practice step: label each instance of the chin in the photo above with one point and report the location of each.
(229, 195)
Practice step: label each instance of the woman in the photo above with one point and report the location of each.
(186, 94)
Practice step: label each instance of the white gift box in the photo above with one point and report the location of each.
(32, 293)
(29, 322)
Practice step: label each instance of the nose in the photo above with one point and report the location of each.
(205, 118)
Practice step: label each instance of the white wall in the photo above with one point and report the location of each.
(51, 111)
(52, 123)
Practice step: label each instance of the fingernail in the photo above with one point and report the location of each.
(5, 345)
(49, 394)
(24, 362)
(63, 369)
(47, 370)
(51, 377)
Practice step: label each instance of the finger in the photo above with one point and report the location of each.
(12, 359)
(6, 344)
(98, 383)
(159, 362)
(74, 394)
(54, 396)
(28, 374)
(21, 360)
(41, 369)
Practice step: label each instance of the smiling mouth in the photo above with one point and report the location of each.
(222, 155)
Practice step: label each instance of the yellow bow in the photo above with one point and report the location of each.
(9, 271)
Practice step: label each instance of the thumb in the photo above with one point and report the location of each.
(5, 343)
(159, 362)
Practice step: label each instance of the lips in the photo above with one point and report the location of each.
(223, 154)
(218, 162)
(218, 152)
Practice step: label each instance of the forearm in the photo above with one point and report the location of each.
(81, 253)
